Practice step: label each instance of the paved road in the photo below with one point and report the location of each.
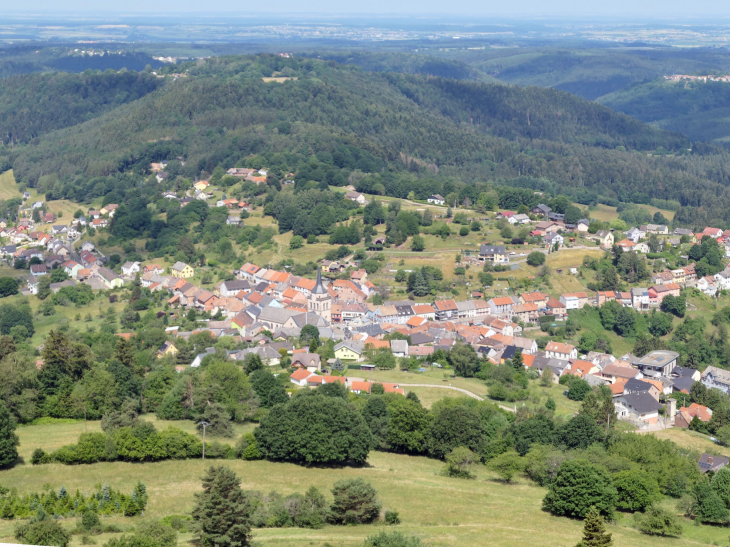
(464, 391)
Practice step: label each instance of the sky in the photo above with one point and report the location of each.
(622, 9)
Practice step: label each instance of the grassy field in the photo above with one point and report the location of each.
(604, 213)
(442, 511)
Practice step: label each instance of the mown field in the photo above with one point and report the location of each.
(442, 511)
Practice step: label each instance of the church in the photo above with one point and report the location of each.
(319, 301)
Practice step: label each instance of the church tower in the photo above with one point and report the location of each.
(320, 302)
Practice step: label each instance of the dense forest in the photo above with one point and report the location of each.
(401, 132)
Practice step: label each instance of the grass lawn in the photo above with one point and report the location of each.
(442, 511)
(693, 440)
(604, 213)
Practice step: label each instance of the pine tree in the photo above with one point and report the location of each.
(421, 287)
(222, 512)
(125, 353)
(8, 439)
(518, 363)
(594, 531)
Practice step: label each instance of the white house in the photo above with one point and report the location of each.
(436, 199)
(570, 301)
(640, 298)
(131, 268)
(558, 350)
(635, 234)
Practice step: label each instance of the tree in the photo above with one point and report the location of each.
(659, 324)
(296, 242)
(578, 432)
(536, 258)
(8, 286)
(464, 359)
(636, 489)
(222, 512)
(594, 531)
(460, 461)
(578, 486)
(455, 426)
(269, 391)
(9, 441)
(546, 379)
(578, 388)
(313, 428)
(658, 522)
(507, 465)
(676, 305)
(708, 506)
(218, 420)
(421, 286)
(252, 362)
(44, 532)
(356, 502)
(308, 333)
(400, 276)
(418, 244)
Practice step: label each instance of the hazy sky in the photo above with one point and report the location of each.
(625, 9)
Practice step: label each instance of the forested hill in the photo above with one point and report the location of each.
(697, 109)
(33, 105)
(224, 111)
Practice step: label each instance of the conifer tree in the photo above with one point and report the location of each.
(8, 439)
(594, 531)
(222, 512)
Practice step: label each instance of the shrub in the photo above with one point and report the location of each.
(658, 522)
(536, 258)
(392, 517)
(45, 532)
(636, 490)
(356, 502)
(459, 462)
(393, 539)
(39, 457)
(246, 448)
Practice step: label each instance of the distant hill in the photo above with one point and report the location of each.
(393, 126)
(698, 109)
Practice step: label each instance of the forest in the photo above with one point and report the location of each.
(402, 132)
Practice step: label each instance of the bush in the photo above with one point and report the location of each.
(394, 539)
(90, 521)
(356, 502)
(246, 448)
(658, 522)
(392, 517)
(459, 462)
(45, 532)
(296, 242)
(39, 457)
(636, 490)
(536, 258)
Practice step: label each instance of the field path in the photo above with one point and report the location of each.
(464, 391)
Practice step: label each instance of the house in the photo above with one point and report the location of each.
(87, 246)
(38, 269)
(349, 350)
(555, 307)
(200, 356)
(59, 229)
(708, 462)
(605, 238)
(657, 363)
(502, 306)
(310, 361)
(541, 209)
(635, 234)
(717, 378)
(583, 225)
(233, 220)
(109, 209)
(685, 415)
(168, 348)
(32, 284)
(634, 385)
(182, 270)
(639, 407)
(519, 219)
(109, 278)
(131, 268)
(558, 350)
(160, 176)
(99, 223)
(36, 205)
(547, 226)
(493, 253)
(640, 298)
(357, 197)
(399, 348)
(551, 239)
(153, 269)
(505, 214)
(445, 309)
(299, 377)
(436, 199)
(201, 185)
(527, 313)
(582, 368)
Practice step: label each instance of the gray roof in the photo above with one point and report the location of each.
(319, 288)
(709, 462)
(236, 285)
(683, 382)
(641, 402)
(491, 249)
(404, 310)
(275, 315)
(353, 345)
(179, 266)
(421, 338)
(636, 386)
(399, 346)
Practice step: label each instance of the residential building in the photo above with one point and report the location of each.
(357, 197)
(493, 253)
(558, 350)
(182, 270)
(656, 363)
(718, 378)
(605, 238)
(445, 309)
(436, 199)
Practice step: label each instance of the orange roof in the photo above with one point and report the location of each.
(533, 296)
(416, 321)
(445, 305)
(423, 308)
(559, 347)
(701, 411)
(528, 360)
(377, 343)
(553, 303)
(305, 283)
(300, 374)
(314, 379)
(333, 379)
(360, 386)
(617, 388)
(289, 293)
(503, 301)
(581, 368)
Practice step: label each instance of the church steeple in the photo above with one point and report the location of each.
(320, 301)
(319, 288)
